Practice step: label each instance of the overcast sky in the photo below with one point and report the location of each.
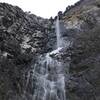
(43, 8)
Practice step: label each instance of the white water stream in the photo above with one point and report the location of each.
(49, 74)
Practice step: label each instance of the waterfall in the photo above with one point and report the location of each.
(58, 34)
(48, 74)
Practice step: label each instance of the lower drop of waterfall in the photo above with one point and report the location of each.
(49, 75)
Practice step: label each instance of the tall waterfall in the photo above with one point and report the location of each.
(49, 75)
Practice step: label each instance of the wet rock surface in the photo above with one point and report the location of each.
(24, 36)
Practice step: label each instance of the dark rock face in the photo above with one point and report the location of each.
(83, 23)
(24, 36)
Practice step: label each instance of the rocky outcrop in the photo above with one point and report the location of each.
(82, 24)
(24, 36)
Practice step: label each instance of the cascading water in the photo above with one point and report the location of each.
(49, 75)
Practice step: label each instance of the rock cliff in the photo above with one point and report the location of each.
(24, 36)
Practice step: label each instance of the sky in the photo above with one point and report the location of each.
(43, 8)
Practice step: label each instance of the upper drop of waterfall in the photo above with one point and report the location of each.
(59, 40)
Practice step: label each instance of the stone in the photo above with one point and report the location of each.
(24, 37)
